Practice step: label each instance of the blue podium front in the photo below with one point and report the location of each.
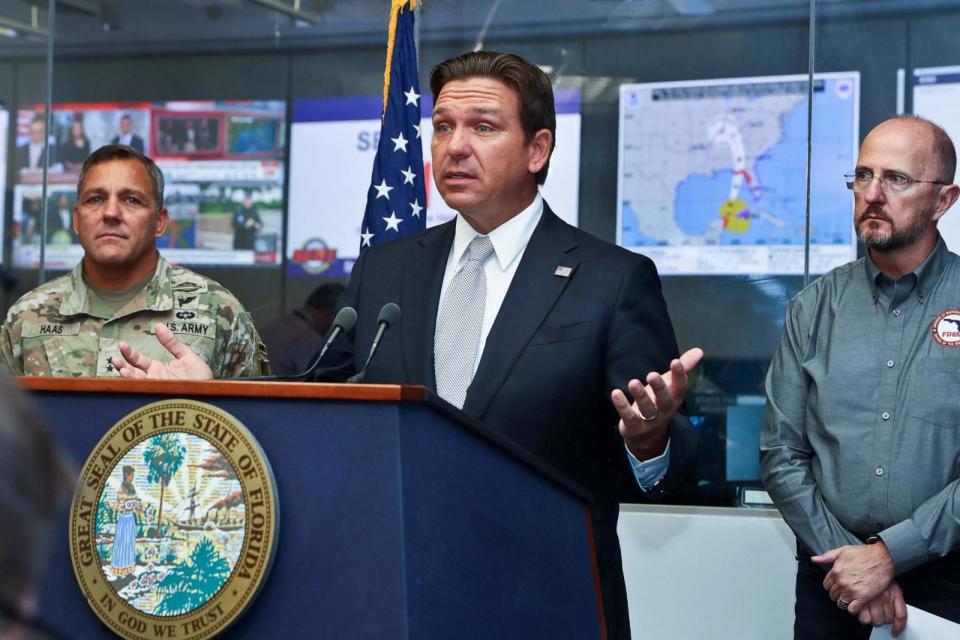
(399, 518)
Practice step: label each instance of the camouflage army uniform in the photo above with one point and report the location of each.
(51, 332)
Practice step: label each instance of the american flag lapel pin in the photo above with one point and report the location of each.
(563, 272)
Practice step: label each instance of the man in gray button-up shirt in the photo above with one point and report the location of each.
(861, 438)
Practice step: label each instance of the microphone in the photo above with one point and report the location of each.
(344, 321)
(389, 316)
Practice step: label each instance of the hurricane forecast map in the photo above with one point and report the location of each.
(711, 173)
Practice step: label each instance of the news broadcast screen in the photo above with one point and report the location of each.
(333, 142)
(222, 162)
(4, 128)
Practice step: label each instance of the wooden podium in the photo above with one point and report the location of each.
(400, 518)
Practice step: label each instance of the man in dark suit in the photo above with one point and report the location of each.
(560, 319)
(31, 155)
(126, 135)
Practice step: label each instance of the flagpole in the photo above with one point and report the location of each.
(396, 7)
(416, 35)
(396, 197)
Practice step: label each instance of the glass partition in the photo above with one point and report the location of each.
(908, 62)
(683, 133)
(26, 46)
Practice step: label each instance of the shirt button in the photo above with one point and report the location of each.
(879, 471)
(889, 363)
(885, 415)
(896, 313)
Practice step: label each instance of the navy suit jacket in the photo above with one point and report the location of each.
(557, 348)
(22, 160)
(136, 142)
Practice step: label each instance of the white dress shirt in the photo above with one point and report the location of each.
(35, 152)
(509, 242)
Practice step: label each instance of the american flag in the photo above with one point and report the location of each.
(397, 198)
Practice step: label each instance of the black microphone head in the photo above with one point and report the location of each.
(389, 314)
(346, 318)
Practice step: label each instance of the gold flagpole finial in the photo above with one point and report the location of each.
(395, 8)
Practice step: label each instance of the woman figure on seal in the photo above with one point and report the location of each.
(124, 557)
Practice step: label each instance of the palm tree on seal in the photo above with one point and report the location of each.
(194, 581)
(163, 458)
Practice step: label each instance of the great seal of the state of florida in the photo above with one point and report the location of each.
(174, 524)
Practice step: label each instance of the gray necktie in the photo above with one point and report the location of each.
(457, 338)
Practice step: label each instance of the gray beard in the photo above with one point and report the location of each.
(896, 239)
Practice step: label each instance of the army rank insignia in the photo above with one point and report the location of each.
(174, 524)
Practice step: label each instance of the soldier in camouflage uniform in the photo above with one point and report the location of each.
(123, 288)
(58, 329)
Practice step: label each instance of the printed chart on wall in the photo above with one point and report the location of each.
(222, 162)
(711, 174)
(332, 145)
(936, 96)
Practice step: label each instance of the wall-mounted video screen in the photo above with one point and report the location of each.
(4, 128)
(711, 173)
(223, 164)
(332, 146)
(936, 96)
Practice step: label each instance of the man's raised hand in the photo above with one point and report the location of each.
(186, 364)
(643, 422)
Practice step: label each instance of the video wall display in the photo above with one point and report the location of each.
(4, 128)
(333, 142)
(727, 414)
(936, 96)
(222, 161)
(711, 173)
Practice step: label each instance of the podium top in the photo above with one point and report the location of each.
(239, 388)
(296, 391)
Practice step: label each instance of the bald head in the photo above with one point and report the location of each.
(921, 137)
(898, 221)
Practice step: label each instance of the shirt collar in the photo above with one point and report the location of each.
(160, 287)
(509, 239)
(159, 291)
(76, 297)
(924, 276)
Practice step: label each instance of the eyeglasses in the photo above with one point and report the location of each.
(890, 181)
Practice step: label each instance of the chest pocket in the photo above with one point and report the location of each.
(57, 349)
(934, 402)
(561, 333)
